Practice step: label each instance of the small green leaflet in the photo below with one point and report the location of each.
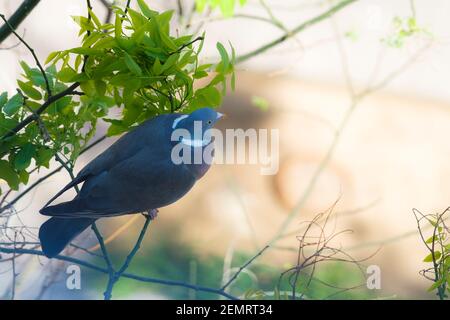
(23, 158)
(13, 104)
(132, 65)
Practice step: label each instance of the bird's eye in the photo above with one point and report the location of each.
(209, 122)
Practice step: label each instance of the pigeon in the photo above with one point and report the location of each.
(136, 174)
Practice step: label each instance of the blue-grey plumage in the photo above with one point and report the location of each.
(135, 174)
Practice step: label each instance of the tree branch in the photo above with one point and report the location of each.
(43, 107)
(115, 276)
(125, 275)
(301, 27)
(226, 285)
(14, 21)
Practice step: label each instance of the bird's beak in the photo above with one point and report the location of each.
(220, 115)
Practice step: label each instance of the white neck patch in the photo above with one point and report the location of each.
(195, 142)
(178, 119)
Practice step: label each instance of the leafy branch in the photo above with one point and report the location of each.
(135, 64)
(438, 246)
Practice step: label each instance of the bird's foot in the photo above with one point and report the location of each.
(151, 214)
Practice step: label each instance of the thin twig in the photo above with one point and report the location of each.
(14, 274)
(115, 276)
(187, 45)
(243, 267)
(301, 27)
(127, 6)
(109, 10)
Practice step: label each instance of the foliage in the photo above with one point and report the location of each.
(260, 103)
(438, 246)
(404, 29)
(226, 6)
(134, 64)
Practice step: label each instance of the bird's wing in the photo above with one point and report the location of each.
(124, 148)
(144, 181)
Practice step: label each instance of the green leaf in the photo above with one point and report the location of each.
(88, 87)
(131, 113)
(3, 99)
(116, 128)
(233, 81)
(157, 68)
(145, 9)
(227, 7)
(78, 60)
(436, 284)
(7, 125)
(224, 56)
(25, 68)
(129, 90)
(13, 104)
(118, 27)
(9, 175)
(132, 65)
(86, 51)
(29, 91)
(170, 62)
(24, 176)
(92, 38)
(52, 56)
(51, 69)
(94, 18)
(43, 157)
(207, 97)
(34, 75)
(137, 19)
(126, 44)
(117, 98)
(200, 5)
(260, 102)
(100, 86)
(23, 158)
(429, 258)
(200, 74)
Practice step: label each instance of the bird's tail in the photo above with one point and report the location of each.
(71, 208)
(56, 233)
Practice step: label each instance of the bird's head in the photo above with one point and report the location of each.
(206, 117)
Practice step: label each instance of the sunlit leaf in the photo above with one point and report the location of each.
(9, 175)
(13, 104)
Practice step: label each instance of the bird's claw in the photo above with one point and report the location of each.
(151, 214)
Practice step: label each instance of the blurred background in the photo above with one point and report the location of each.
(363, 113)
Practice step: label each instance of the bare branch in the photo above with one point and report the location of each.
(243, 267)
(125, 275)
(16, 19)
(301, 27)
